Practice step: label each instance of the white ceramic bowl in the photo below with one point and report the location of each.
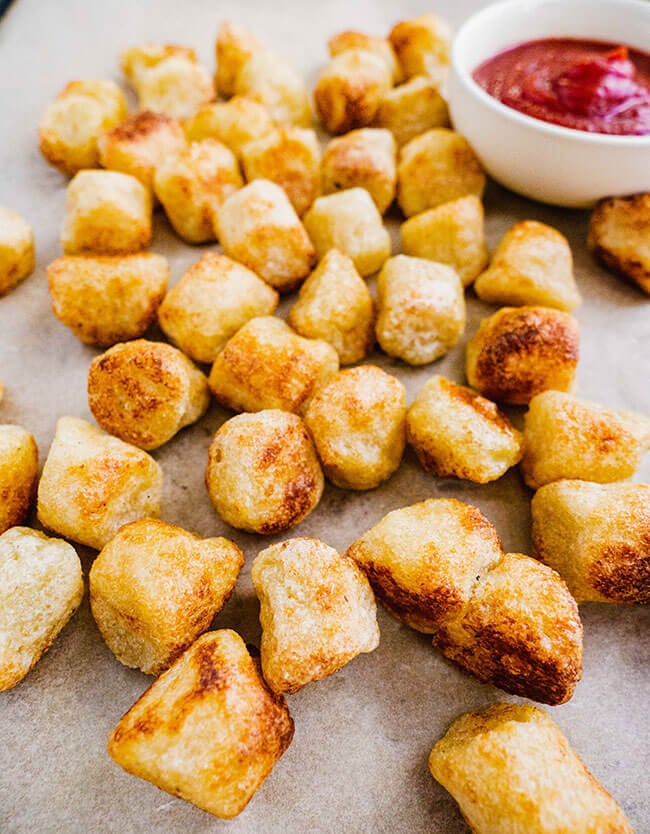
(540, 160)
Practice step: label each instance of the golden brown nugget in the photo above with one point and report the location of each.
(317, 612)
(73, 122)
(212, 300)
(140, 144)
(154, 588)
(511, 770)
(567, 437)
(363, 158)
(531, 265)
(93, 483)
(420, 309)
(233, 48)
(520, 631)
(289, 157)
(193, 184)
(412, 108)
(235, 123)
(263, 475)
(335, 304)
(350, 89)
(457, 433)
(16, 250)
(422, 45)
(521, 351)
(107, 298)
(267, 365)
(176, 85)
(425, 561)
(136, 60)
(259, 227)
(452, 233)
(145, 392)
(40, 590)
(208, 730)
(106, 213)
(350, 222)
(18, 474)
(357, 421)
(269, 79)
(597, 537)
(434, 168)
(618, 237)
(351, 39)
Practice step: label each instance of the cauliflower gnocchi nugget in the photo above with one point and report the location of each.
(520, 631)
(412, 108)
(235, 123)
(422, 45)
(357, 421)
(18, 474)
(263, 474)
(532, 264)
(208, 729)
(423, 561)
(16, 250)
(213, 299)
(193, 185)
(145, 392)
(597, 536)
(349, 221)
(266, 365)
(421, 309)
(510, 769)
(176, 86)
(40, 589)
(567, 437)
(618, 237)
(72, 123)
(269, 79)
(351, 39)
(457, 433)
(362, 158)
(434, 168)
(154, 588)
(93, 483)
(106, 213)
(233, 48)
(521, 351)
(140, 144)
(334, 304)
(351, 88)
(289, 157)
(452, 233)
(317, 612)
(107, 298)
(259, 227)
(136, 60)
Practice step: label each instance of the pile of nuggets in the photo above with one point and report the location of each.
(247, 171)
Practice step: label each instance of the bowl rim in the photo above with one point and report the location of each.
(494, 10)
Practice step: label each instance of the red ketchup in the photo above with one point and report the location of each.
(585, 85)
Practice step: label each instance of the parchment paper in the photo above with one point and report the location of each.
(358, 762)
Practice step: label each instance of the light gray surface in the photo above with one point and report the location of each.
(358, 762)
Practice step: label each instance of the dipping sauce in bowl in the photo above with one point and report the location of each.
(581, 84)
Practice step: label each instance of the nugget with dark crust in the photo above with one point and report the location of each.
(266, 365)
(155, 587)
(618, 236)
(597, 536)
(263, 475)
(18, 474)
(567, 437)
(209, 730)
(317, 612)
(521, 351)
(511, 770)
(357, 421)
(457, 433)
(145, 392)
